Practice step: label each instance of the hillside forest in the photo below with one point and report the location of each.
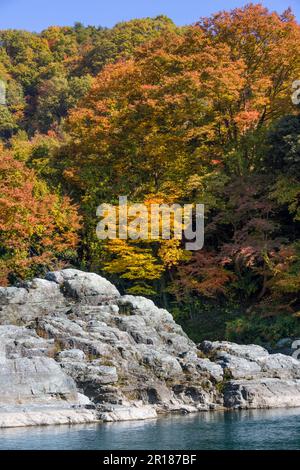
(200, 113)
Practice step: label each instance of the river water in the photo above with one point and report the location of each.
(258, 429)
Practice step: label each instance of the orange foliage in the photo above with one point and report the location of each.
(36, 226)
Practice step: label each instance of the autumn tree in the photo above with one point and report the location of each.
(37, 228)
(189, 107)
(157, 112)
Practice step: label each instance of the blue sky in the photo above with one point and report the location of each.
(34, 15)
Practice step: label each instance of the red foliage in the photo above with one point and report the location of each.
(37, 227)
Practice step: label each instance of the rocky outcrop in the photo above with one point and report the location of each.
(253, 377)
(33, 387)
(262, 393)
(72, 349)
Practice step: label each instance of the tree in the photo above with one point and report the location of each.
(121, 41)
(56, 96)
(188, 109)
(37, 228)
(268, 46)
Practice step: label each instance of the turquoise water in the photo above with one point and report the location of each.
(258, 429)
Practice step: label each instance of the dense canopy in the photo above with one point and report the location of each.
(201, 113)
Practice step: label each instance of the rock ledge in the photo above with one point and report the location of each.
(73, 350)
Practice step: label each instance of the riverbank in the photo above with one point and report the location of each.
(234, 430)
(73, 350)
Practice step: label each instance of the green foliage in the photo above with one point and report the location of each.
(8, 122)
(204, 319)
(284, 145)
(163, 114)
(121, 41)
(56, 96)
(260, 330)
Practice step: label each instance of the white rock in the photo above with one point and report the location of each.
(80, 284)
(46, 417)
(262, 393)
(123, 413)
(238, 367)
(71, 355)
(247, 351)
